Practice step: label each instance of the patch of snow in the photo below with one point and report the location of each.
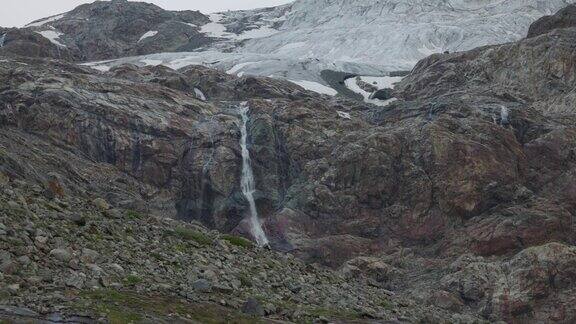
(190, 24)
(381, 82)
(99, 65)
(52, 36)
(199, 94)
(344, 115)
(352, 85)
(238, 67)
(44, 21)
(103, 68)
(150, 62)
(316, 87)
(151, 33)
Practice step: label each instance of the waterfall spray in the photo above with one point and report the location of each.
(2, 39)
(247, 183)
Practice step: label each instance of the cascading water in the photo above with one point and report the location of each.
(504, 115)
(2, 40)
(247, 182)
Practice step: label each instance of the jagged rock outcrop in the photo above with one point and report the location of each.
(24, 42)
(565, 18)
(537, 285)
(110, 29)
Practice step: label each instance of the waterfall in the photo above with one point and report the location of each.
(2, 39)
(504, 116)
(247, 182)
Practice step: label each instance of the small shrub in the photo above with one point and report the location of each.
(132, 214)
(386, 304)
(181, 247)
(245, 280)
(132, 280)
(191, 235)
(237, 241)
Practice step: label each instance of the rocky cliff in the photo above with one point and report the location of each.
(563, 19)
(459, 196)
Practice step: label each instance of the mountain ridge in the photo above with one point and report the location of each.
(278, 42)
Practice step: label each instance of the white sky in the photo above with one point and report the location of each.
(17, 13)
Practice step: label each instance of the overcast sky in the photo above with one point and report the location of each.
(20, 12)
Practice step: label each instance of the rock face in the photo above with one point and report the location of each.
(537, 285)
(565, 18)
(24, 42)
(110, 29)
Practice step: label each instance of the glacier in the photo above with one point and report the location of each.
(297, 41)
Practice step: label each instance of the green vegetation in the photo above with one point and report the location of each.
(130, 307)
(4, 295)
(192, 235)
(310, 313)
(245, 280)
(132, 280)
(334, 313)
(386, 304)
(237, 241)
(132, 214)
(157, 256)
(12, 211)
(181, 247)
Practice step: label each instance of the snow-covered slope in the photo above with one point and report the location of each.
(366, 37)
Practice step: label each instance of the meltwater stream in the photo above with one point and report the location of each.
(247, 182)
